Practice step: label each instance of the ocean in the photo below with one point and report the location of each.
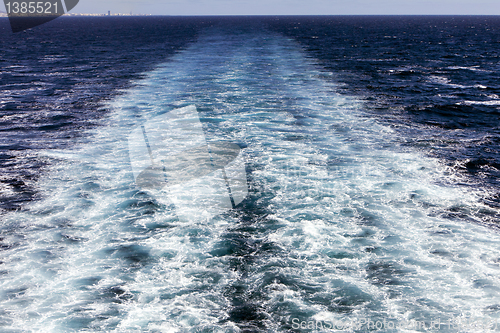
(371, 154)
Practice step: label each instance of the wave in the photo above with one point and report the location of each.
(341, 222)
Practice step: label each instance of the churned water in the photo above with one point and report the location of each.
(345, 227)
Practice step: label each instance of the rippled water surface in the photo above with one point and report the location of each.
(351, 217)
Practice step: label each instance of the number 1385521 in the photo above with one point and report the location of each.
(39, 7)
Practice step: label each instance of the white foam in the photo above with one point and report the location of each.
(488, 103)
(447, 82)
(358, 221)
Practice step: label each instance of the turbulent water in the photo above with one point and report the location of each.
(434, 79)
(346, 226)
(53, 81)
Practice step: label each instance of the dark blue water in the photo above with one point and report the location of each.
(54, 79)
(371, 148)
(435, 79)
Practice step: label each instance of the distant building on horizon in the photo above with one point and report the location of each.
(109, 12)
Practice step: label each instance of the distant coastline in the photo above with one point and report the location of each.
(111, 14)
(4, 14)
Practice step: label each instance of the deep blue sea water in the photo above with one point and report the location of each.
(371, 148)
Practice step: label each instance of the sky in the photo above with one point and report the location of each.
(292, 7)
